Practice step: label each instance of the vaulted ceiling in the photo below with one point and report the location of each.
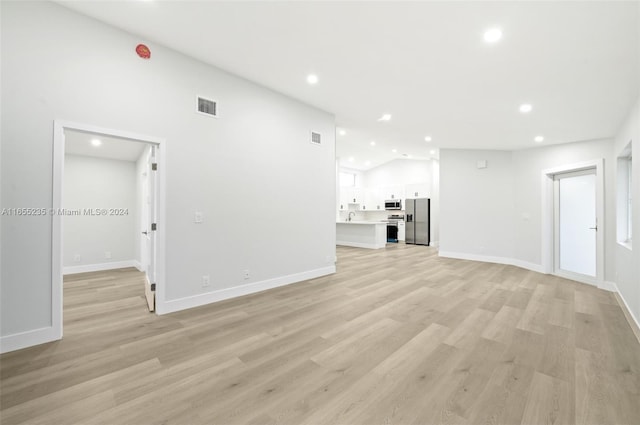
(424, 63)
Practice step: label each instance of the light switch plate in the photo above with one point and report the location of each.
(198, 217)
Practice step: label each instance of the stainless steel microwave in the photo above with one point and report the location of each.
(393, 204)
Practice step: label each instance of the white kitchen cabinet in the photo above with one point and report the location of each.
(343, 203)
(393, 192)
(357, 196)
(345, 195)
(401, 231)
(417, 190)
(372, 200)
(351, 195)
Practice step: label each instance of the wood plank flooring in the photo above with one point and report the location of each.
(396, 336)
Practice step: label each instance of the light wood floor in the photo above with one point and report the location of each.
(397, 336)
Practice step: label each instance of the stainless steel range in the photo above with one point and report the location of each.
(392, 227)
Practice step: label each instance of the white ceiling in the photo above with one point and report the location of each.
(425, 63)
(79, 143)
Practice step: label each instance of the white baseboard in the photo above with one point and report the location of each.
(626, 305)
(608, 286)
(227, 293)
(138, 265)
(28, 339)
(527, 265)
(360, 245)
(490, 259)
(100, 267)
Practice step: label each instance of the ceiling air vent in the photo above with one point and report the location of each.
(207, 107)
(315, 138)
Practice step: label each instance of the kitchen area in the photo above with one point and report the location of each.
(393, 203)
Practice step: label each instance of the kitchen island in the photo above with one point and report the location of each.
(361, 234)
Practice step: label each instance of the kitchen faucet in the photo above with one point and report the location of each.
(351, 212)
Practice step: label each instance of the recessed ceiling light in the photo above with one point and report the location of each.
(351, 159)
(385, 117)
(539, 139)
(373, 143)
(432, 152)
(492, 35)
(427, 139)
(525, 108)
(312, 79)
(367, 163)
(96, 142)
(342, 132)
(394, 150)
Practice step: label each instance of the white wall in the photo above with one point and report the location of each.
(255, 160)
(476, 205)
(435, 203)
(497, 212)
(528, 166)
(399, 172)
(627, 261)
(98, 183)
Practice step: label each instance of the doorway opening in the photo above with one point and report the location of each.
(573, 243)
(107, 206)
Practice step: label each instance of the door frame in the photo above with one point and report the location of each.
(59, 127)
(548, 218)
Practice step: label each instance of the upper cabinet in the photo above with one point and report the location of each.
(392, 192)
(418, 190)
(351, 195)
(373, 198)
(373, 201)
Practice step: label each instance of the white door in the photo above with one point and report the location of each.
(149, 228)
(576, 225)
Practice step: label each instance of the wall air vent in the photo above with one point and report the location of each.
(315, 138)
(207, 106)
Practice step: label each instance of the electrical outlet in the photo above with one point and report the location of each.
(77, 258)
(198, 217)
(107, 255)
(247, 275)
(206, 281)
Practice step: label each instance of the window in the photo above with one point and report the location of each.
(624, 213)
(347, 179)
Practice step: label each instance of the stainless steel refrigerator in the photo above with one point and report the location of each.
(417, 216)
